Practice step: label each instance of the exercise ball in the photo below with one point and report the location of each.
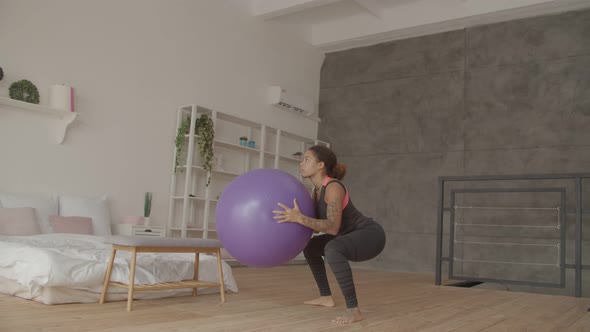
(245, 223)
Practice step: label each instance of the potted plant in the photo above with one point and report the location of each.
(147, 208)
(243, 141)
(205, 135)
(206, 132)
(183, 130)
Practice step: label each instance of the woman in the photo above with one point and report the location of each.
(348, 234)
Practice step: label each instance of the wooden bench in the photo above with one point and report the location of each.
(136, 244)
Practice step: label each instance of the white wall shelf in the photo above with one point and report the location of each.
(235, 146)
(190, 197)
(195, 167)
(64, 118)
(192, 204)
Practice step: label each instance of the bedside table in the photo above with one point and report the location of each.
(139, 230)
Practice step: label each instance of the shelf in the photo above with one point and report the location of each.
(234, 146)
(193, 167)
(224, 144)
(65, 118)
(221, 116)
(226, 172)
(274, 148)
(196, 198)
(179, 229)
(200, 229)
(216, 171)
(190, 197)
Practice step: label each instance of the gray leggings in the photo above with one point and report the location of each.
(359, 245)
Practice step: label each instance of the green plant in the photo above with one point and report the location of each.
(206, 134)
(180, 139)
(204, 129)
(147, 205)
(243, 138)
(24, 90)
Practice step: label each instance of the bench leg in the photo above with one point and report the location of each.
(196, 273)
(107, 277)
(220, 273)
(131, 278)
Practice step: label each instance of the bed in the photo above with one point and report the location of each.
(69, 268)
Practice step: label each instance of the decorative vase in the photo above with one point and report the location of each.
(251, 144)
(146, 221)
(243, 142)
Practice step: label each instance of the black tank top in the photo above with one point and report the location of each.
(351, 217)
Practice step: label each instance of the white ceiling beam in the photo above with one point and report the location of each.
(270, 9)
(371, 6)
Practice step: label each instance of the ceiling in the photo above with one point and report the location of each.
(332, 25)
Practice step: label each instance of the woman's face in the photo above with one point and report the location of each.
(310, 165)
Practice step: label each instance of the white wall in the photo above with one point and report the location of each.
(132, 63)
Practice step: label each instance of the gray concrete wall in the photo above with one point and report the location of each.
(507, 98)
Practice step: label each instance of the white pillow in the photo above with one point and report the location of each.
(95, 208)
(45, 206)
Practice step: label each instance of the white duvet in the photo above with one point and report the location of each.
(65, 268)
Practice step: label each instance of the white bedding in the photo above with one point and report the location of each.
(69, 268)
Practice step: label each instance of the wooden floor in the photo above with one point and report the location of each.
(271, 300)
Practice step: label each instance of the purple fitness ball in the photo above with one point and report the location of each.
(245, 221)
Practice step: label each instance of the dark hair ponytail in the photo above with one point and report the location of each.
(334, 169)
(338, 171)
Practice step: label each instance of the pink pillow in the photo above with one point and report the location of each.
(72, 225)
(19, 221)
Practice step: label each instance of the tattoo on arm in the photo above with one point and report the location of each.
(323, 225)
(331, 213)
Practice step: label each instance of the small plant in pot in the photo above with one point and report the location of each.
(147, 208)
(243, 141)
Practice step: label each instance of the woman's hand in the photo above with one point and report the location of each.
(288, 214)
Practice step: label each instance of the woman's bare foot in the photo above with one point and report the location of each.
(351, 316)
(324, 301)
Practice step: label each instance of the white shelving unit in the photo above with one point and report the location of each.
(192, 203)
(64, 118)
